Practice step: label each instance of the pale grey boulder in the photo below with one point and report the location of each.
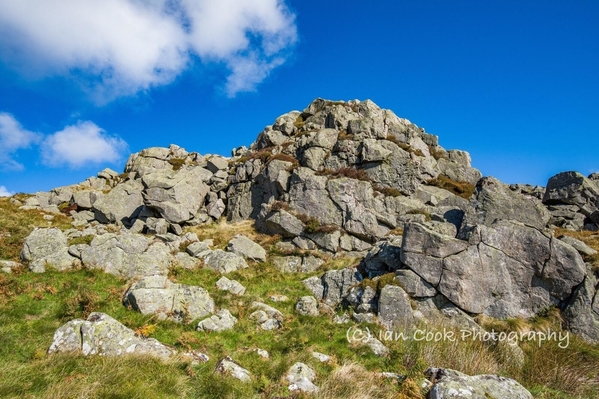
(102, 335)
(307, 306)
(394, 308)
(224, 262)
(283, 223)
(230, 368)
(243, 246)
(453, 384)
(233, 286)
(176, 195)
(301, 378)
(372, 151)
(199, 249)
(221, 321)
(296, 264)
(414, 285)
(121, 204)
(337, 284)
(158, 296)
(47, 247)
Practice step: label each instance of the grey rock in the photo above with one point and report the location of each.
(421, 240)
(185, 261)
(232, 286)
(315, 285)
(307, 306)
(580, 246)
(377, 347)
(216, 209)
(102, 335)
(221, 321)
(395, 311)
(364, 318)
(582, 312)
(159, 296)
(337, 284)
(198, 249)
(301, 378)
(228, 367)
(283, 223)
(374, 152)
(7, 266)
(572, 188)
(224, 262)
(267, 317)
(414, 285)
(453, 384)
(246, 248)
(121, 204)
(216, 163)
(47, 247)
(321, 357)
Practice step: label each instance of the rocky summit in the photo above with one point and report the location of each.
(428, 238)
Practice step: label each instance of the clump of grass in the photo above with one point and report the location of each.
(460, 188)
(436, 152)
(81, 304)
(426, 214)
(66, 208)
(405, 146)
(81, 240)
(221, 232)
(312, 224)
(387, 191)
(352, 380)
(286, 158)
(280, 205)
(299, 122)
(344, 135)
(352, 173)
(263, 155)
(177, 163)
(379, 282)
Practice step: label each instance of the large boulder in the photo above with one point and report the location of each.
(47, 247)
(582, 313)
(224, 262)
(395, 310)
(157, 295)
(453, 384)
(572, 188)
(102, 335)
(177, 195)
(243, 246)
(121, 204)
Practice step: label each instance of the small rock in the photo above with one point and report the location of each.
(7, 266)
(307, 306)
(278, 298)
(229, 367)
(262, 353)
(224, 262)
(578, 245)
(198, 249)
(301, 378)
(224, 284)
(364, 317)
(321, 357)
(341, 319)
(267, 317)
(221, 321)
(196, 357)
(243, 246)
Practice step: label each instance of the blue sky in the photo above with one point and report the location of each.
(84, 83)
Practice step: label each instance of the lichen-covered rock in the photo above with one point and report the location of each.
(228, 367)
(301, 378)
(121, 204)
(47, 247)
(159, 296)
(572, 188)
(232, 286)
(307, 306)
(267, 317)
(102, 335)
(224, 262)
(453, 384)
(395, 310)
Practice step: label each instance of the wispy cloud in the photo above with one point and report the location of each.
(4, 192)
(13, 137)
(120, 47)
(83, 144)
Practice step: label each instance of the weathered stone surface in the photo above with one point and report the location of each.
(224, 262)
(228, 367)
(47, 247)
(301, 378)
(221, 321)
(126, 255)
(177, 195)
(421, 240)
(7, 266)
(283, 223)
(580, 246)
(372, 151)
(121, 204)
(243, 246)
(453, 384)
(296, 264)
(102, 335)
(414, 285)
(307, 306)
(159, 296)
(572, 188)
(495, 201)
(582, 312)
(232, 286)
(337, 283)
(395, 311)
(198, 249)
(315, 285)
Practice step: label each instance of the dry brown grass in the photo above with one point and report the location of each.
(352, 173)
(405, 146)
(387, 191)
(351, 380)
(222, 232)
(436, 152)
(460, 188)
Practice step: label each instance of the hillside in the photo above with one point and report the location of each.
(345, 253)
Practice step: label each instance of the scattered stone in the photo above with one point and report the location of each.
(342, 319)
(278, 298)
(198, 249)
(377, 347)
(262, 353)
(221, 321)
(232, 286)
(321, 357)
(395, 311)
(395, 376)
(267, 317)
(364, 317)
(307, 306)
(7, 265)
(196, 357)
(228, 367)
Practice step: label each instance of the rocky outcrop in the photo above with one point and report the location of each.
(569, 194)
(157, 295)
(102, 335)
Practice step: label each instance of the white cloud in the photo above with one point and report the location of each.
(81, 145)
(121, 47)
(4, 192)
(12, 138)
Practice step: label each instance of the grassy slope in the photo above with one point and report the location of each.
(32, 306)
